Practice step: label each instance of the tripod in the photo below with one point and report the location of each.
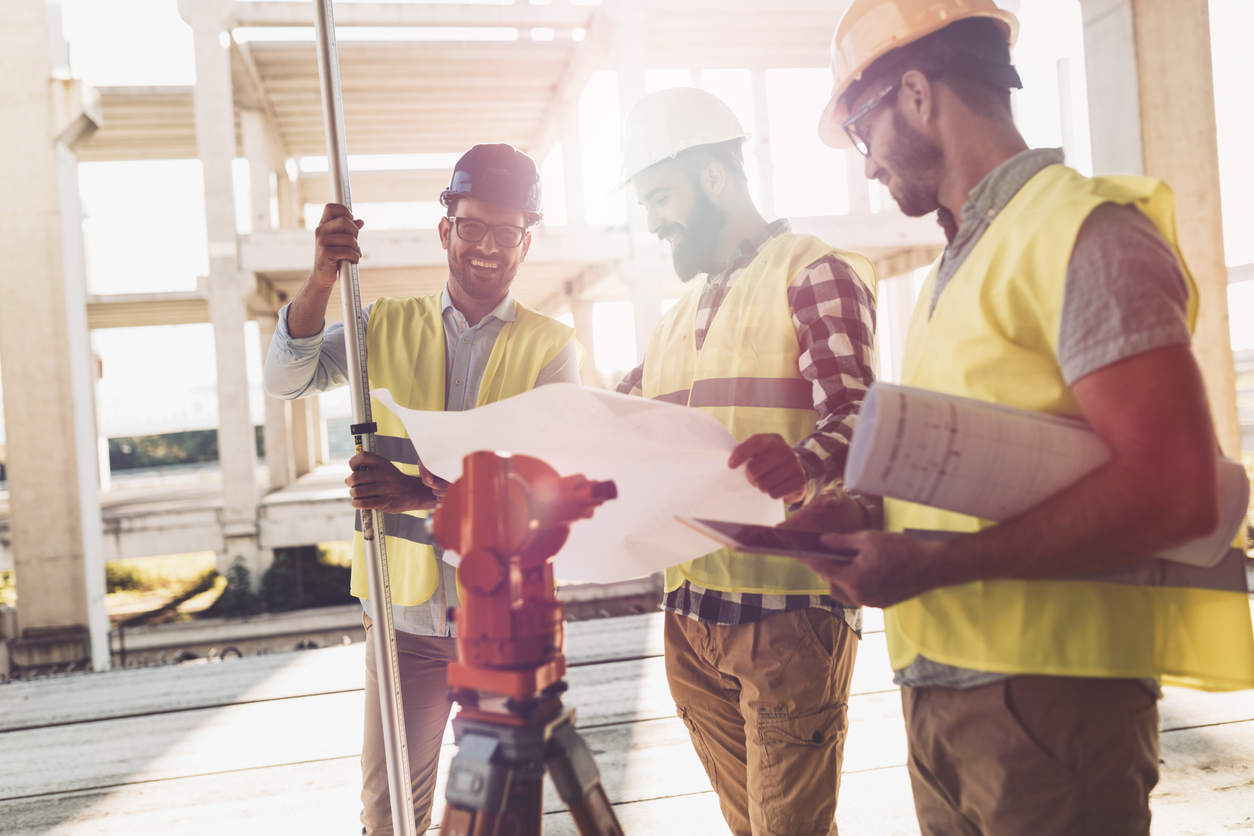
(507, 516)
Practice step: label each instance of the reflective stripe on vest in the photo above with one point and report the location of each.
(993, 336)
(406, 355)
(747, 376)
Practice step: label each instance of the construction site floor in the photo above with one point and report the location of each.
(270, 745)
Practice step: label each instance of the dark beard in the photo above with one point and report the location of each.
(458, 270)
(914, 162)
(693, 253)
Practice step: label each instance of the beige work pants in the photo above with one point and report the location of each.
(766, 707)
(424, 691)
(1039, 755)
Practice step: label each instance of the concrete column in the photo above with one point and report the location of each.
(278, 427)
(304, 432)
(257, 152)
(581, 312)
(762, 146)
(48, 404)
(102, 438)
(214, 110)
(643, 271)
(572, 168)
(1152, 111)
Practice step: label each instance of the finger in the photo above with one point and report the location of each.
(342, 254)
(366, 491)
(334, 210)
(749, 448)
(338, 239)
(784, 478)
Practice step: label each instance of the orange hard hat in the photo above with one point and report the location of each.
(870, 29)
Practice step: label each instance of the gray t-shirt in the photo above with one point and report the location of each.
(1125, 294)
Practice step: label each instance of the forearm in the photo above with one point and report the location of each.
(298, 368)
(307, 313)
(1119, 514)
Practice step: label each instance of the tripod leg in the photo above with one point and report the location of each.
(578, 782)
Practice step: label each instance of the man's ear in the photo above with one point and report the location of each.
(446, 232)
(714, 179)
(917, 99)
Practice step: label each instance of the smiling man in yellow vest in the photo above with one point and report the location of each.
(472, 345)
(1030, 653)
(778, 344)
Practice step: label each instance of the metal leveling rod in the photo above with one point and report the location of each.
(363, 429)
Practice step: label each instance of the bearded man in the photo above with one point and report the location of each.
(777, 342)
(471, 345)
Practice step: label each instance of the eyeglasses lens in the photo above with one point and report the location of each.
(474, 231)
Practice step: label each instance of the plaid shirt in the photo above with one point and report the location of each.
(834, 317)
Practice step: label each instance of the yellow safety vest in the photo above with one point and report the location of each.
(406, 355)
(993, 336)
(746, 375)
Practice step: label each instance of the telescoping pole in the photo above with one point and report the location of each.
(363, 429)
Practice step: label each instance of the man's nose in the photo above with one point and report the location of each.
(653, 221)
(488, 245)
(872, 168)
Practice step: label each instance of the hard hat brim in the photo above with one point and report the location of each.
(626, 181)
(831, 131)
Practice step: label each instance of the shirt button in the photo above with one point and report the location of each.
(458, 382)
(465, 340)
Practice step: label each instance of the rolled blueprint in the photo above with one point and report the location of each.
(995, 462)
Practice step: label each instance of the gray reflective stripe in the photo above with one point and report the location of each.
(1226, 576)
(772, 392)
(680, 397)
(396, 449)
(402, 527)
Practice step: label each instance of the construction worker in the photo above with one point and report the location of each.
(777, 342)
(1030, 653)
(471, 345)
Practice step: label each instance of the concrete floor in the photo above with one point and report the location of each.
(270, 745)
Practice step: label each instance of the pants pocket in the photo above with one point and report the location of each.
(800, 771)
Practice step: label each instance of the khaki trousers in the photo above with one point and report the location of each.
(1038, 755)
(765, 705)
(424, 692)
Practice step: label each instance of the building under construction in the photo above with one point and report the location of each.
(89, 748)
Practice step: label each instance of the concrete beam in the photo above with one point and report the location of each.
(131, 310)
(517, 16)
(1242, 273)
(381, 186)
(291, 250)
(865, 233)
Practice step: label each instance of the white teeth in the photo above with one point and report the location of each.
(486, 265)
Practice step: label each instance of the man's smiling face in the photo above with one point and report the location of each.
(483, 270)
(679, 211)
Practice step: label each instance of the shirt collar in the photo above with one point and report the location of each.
(1000, 185)
(503, 311)
(749, 248)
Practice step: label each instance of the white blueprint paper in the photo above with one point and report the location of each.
(665, 459)
(994, 462)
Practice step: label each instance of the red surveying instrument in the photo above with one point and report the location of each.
(507, 516)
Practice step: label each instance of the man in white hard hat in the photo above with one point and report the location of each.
(777, 342)
(1030, 653)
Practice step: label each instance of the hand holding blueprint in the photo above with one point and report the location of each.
(995, 462)
(666, 460)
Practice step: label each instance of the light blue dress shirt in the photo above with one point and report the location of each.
(305, 366)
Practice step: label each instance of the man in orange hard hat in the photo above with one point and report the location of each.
(1030, 653)
(777, 342)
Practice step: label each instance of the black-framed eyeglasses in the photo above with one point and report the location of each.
(860, 140)
(505, 235)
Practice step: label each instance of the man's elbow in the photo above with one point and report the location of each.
(1194, 501)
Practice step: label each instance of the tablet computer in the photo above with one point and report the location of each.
(765, 539)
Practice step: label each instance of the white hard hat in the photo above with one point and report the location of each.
(669, 121)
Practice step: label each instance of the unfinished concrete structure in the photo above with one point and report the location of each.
(1151, 109)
